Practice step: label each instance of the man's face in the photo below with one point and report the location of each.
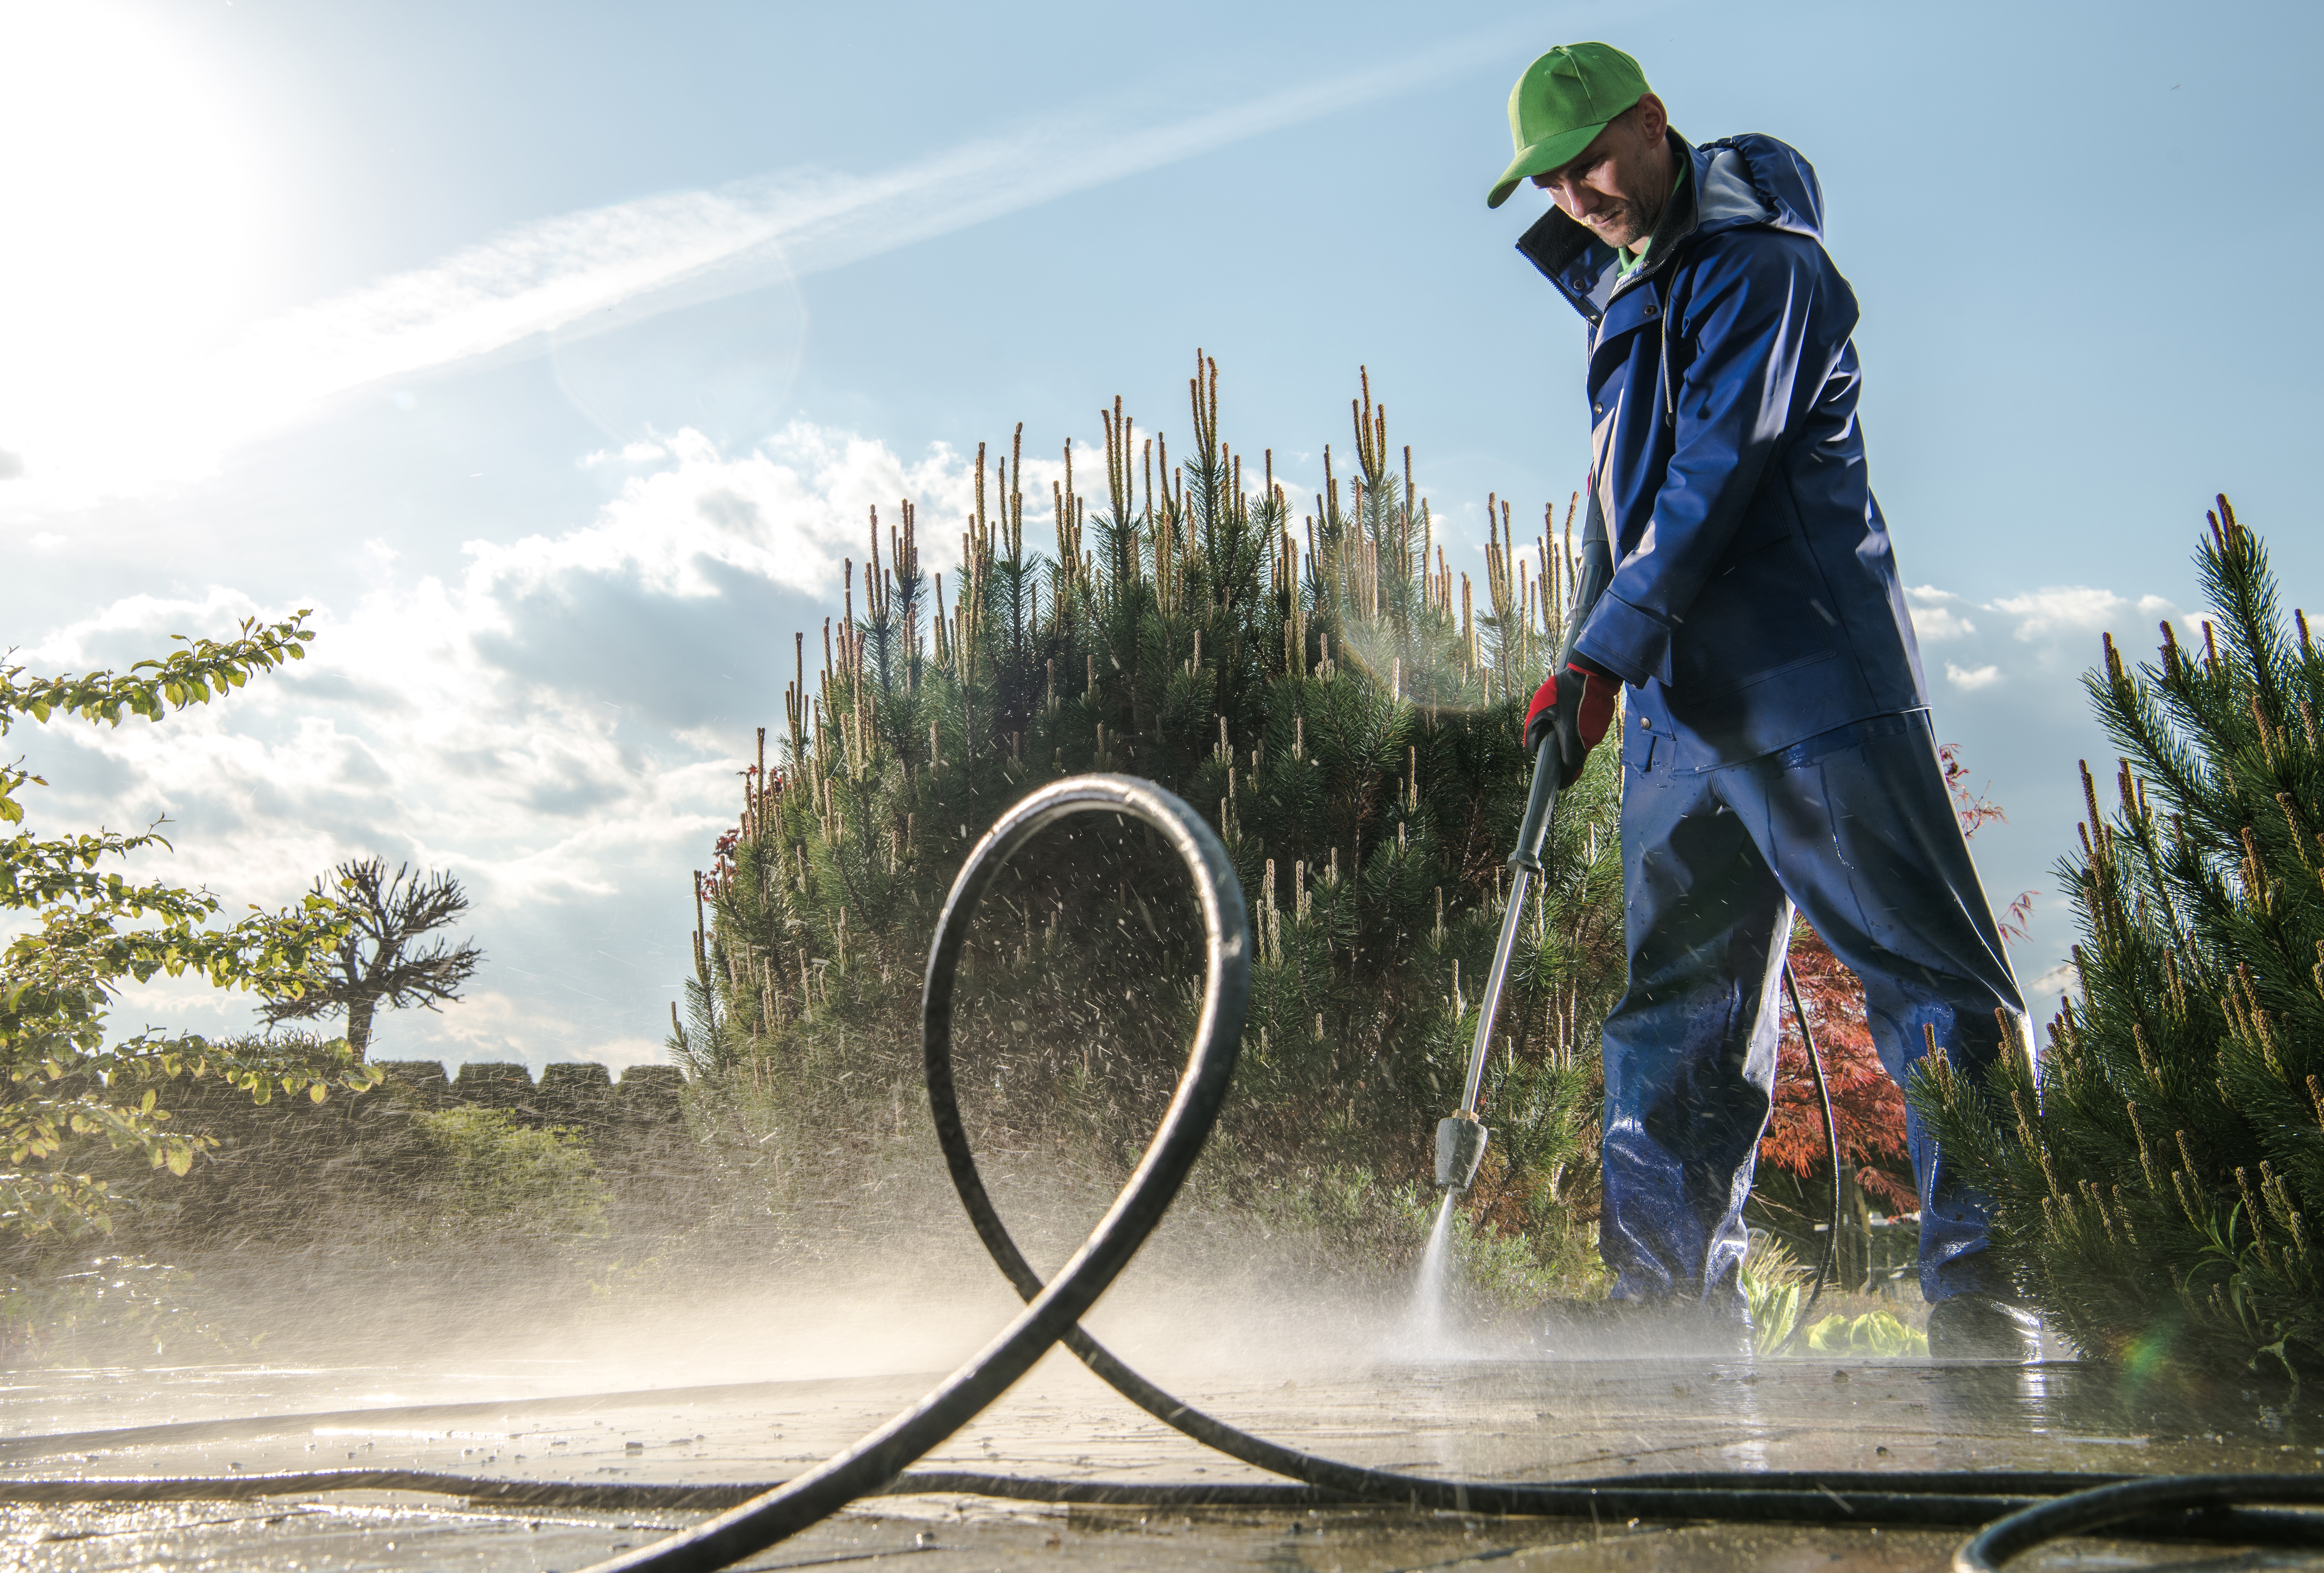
(1619, 184)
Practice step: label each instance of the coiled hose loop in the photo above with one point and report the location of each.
(1052, 1309)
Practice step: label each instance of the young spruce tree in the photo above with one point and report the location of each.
(1342, 702)
(2160, 1179)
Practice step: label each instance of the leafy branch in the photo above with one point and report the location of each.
(86, 930)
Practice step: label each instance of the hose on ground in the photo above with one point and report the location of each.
(1854, 1486)
(1844, 1498)
(878, 1464)
(2200, 1499)
(1930, 1500)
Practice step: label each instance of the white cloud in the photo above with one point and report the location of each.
(496, 1026)
(629, 453)
(396, 737)
(1934, 619)
(2059, 980)
(2058, 609)
(788, 510)
(2009, 697)
(618, 1054)
(560, 727)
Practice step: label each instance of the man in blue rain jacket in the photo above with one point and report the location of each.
(1776, 748)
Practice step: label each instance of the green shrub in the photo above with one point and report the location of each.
(492, 1174)
(2160, 1179)
(1341, 703)
(95, 1309)
(1775, 1287)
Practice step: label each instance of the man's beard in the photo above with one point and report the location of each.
(1628, 224)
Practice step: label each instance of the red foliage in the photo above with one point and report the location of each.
(1866, 1105)
(1975, 809)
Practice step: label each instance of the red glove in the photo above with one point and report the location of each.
(1573, 709)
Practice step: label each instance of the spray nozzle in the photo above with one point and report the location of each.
(1460, 1147)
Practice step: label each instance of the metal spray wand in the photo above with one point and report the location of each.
(1460, 1136)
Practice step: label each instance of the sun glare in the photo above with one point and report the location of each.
(134, 199)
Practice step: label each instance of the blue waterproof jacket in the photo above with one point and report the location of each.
(1755, 600)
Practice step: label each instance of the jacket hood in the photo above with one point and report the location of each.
(1735, 183)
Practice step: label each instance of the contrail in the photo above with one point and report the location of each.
(608, 267)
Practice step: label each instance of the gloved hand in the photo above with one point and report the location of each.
(1571, 710)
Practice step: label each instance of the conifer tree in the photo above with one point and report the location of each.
(2160, 1179)
(1343, 702)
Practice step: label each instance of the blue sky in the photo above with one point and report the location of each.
(553, 353)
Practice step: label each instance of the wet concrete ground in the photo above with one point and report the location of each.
(1535, 1420)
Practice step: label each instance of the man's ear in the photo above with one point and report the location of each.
(1653, 119)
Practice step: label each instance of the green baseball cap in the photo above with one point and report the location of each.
(1561, 104)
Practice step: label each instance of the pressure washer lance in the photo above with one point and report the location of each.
(1460, 1137)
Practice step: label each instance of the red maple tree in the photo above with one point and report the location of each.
(1866, 1105)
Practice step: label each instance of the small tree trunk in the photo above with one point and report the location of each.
(359, 1027)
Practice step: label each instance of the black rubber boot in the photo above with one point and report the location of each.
(1617, 1330)
(1978, 1326)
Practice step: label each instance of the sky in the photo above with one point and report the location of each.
(553, 355)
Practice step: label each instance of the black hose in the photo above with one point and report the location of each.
(1852, 1486)
(2086, 1511)
(877, 1464)
(1832, 1142)
(1864, 1499)
(1052, 1309)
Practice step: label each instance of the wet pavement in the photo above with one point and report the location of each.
(1497, 1419)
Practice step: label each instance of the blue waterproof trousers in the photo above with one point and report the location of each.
(1857, 828)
